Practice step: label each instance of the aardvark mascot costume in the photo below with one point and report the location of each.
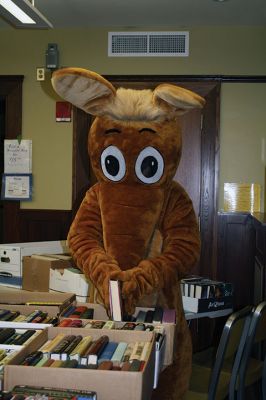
(136, 224)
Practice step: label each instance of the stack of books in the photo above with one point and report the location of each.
(203, 294)
(156, 315)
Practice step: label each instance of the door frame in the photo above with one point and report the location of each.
(210, 90)
(11, 90)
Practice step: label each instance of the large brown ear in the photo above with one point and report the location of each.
(176, 99)
(83, 88)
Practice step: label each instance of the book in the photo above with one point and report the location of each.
(107, 352)
(109, 325)
(149, 316)
(57, 350)
(158, 315)
(186, 284)
(91, 356)
(201, 290)
(128, 351)
(72, 345)
(78, 311)
(81, 348)
(137, 351)
(135, 365)
(87, 314)
(105, 365)
(146, 351)
(51, 344)
(141, 316)
(116, 307)
(70, 364)
(169, 316)
(119, 352)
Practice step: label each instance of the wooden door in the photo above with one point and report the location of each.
(188, 173)
(11, 99)
(198, 170)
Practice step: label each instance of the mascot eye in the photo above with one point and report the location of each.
(149, 165)
(113, 163)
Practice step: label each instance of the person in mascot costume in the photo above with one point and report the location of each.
(136, 224)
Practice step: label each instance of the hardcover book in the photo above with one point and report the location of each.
(116, 306)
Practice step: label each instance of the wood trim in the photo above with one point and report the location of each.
(11, 89)
(189, 78)
(43, 225)
(210, 183)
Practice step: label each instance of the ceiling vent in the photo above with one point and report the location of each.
(148, 44)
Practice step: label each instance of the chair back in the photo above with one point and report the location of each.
(230, 346)
(264, 379)
(256, 335)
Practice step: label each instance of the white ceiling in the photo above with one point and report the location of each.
(132, 14)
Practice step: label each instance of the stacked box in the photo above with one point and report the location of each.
(11, 256)
(54, 303)
(109, 385)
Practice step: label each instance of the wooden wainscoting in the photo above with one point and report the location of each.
(42, 225)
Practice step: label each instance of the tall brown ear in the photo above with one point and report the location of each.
(176, 99)
(83, 88)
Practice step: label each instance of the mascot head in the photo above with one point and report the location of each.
(135, 138)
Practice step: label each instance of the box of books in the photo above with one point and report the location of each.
(202, 288)
(113, 363)
(195, 305)
(91, 315)
(201, 294)
(54, 303)
(13, 340)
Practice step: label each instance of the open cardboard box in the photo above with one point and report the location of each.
(36, 270)
(169, 329)
(109, 385)
(11, 258)
(54, 303)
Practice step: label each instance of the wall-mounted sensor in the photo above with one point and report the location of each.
(52, 56)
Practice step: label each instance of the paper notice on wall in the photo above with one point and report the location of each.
(16, 187)
(18, 156)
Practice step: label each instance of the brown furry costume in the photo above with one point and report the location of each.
(136, 224)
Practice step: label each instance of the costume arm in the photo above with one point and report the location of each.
(180, 252)
(86, 245)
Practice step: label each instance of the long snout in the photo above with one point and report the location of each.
(129, 217)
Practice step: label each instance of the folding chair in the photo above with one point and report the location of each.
(263, 380)
(211, 377)
(252, 369)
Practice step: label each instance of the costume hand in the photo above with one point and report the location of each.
(137, 282)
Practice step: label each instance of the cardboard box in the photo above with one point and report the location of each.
(54, 302)
(36, 270)
(109, 385)
(11, 256)
(70, 280)
(195, 305)
(169, 329)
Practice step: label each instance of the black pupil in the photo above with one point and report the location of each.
(149, 166)
(112, 165)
